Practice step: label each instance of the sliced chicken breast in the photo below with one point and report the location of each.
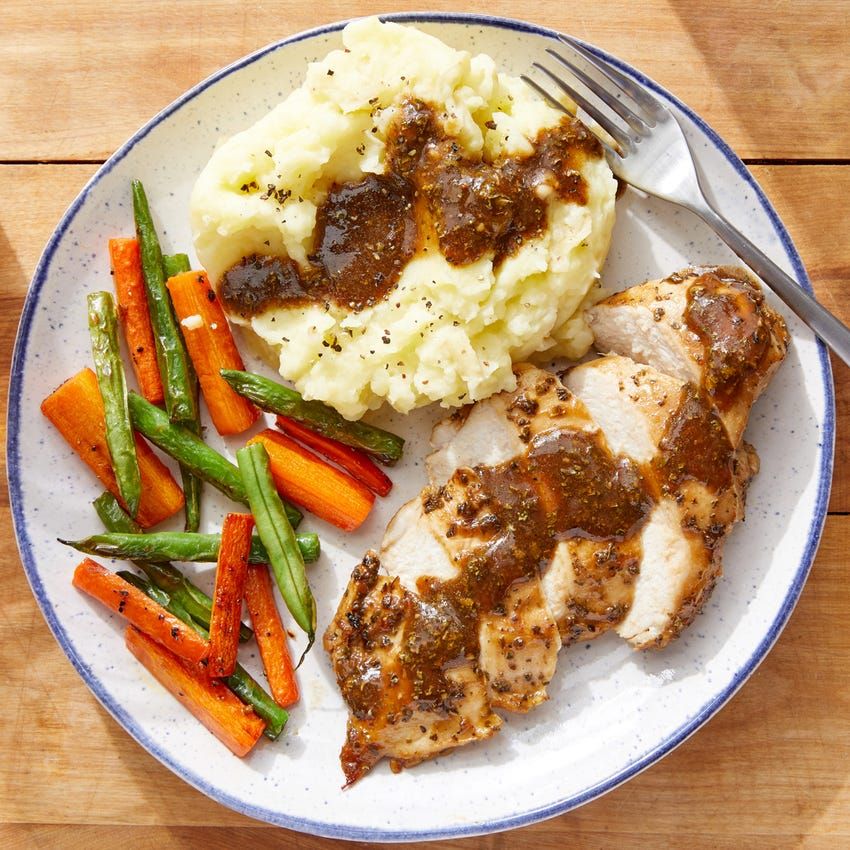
(555, 513)
(467, 565)
(709, 326)
(698, 479)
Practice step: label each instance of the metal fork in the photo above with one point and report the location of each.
(647, 149)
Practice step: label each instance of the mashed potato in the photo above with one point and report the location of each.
(446, 333)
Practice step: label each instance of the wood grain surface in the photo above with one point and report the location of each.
(769, 771)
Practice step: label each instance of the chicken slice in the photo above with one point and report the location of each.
(711, 327)
(506, 607)
(589, 585)
(518, 647)
(497, 429)
(402, 705)
(697, 477)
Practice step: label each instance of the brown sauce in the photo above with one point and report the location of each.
(504, 524)
(725, 312)
(568, 485)
(259, 282)
(695, 446)
(366, 232)
(365, 235)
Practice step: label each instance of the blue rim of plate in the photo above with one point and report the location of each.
(358, 833)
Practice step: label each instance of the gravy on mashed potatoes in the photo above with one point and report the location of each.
(406, 224)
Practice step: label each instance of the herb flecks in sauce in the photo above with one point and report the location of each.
(479, 207)
(359, 228)
(256, 282)
(511, 517)
(725, 311)
(367, 231)
(695, 446)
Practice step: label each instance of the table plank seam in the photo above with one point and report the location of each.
(19, 162)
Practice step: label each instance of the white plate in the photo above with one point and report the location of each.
(613, 712)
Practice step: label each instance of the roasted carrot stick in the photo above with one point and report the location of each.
(137, 607)
(231, 570)
(308, 480)
(210, 345)
(353, 461)
(209, 700)
(271, 636)
(76, 409)
(134, 316)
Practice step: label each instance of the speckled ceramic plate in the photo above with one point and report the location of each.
(613, 712)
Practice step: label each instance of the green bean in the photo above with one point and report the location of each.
(246, 687)
(241, 682)
(160, 596)
(179, 381)
(276, 398)
(192, 452)
(173, 264)
(163, 575)
(162, 546)
(278, 538)
(113, 516)
(181, 403)
(103, 328)
(192, 486)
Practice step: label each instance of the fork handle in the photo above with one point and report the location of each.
(833, 332)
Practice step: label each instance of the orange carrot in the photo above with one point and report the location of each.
(209, 700)
(305, 478)
(271, 636)
(137, 607)
(76, 409)
(226, 617)
(210, 345)
(353, 461)
(134, 316)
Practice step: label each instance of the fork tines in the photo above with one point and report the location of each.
(638, 94)
(629, 102)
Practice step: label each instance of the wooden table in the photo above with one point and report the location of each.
(772, 769)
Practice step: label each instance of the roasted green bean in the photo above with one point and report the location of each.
(192, 452)
(162, 546)
(103, 328)
(173, 264)
(278, 538)
(276, 398)
(181, 403)
(179, 381)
